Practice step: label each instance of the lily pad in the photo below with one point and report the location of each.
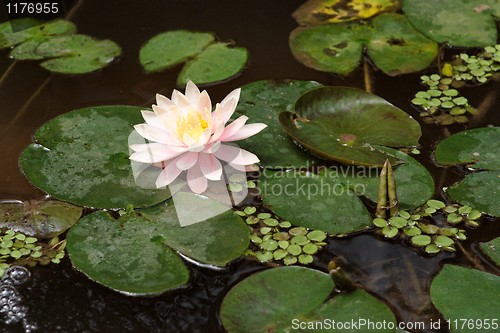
(281, 299)
(315, 202)
(31, 33)
(414, 183)
(391, 42)
(83, 157)
(347, 125)
(172, 48)
(125, 255)
(445, 21)
(316, 12)
(492, 249)
(134, 253)
(41, 219)
(262, 101)
(478, 148)
(480, 190)
(77, 54)
(463, 293)
(217, 62)
(207, 61)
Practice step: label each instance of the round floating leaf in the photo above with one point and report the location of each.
(269, 301)
(262, 101)
(446, 20)
(125, 254)
(315, 12)
(480, 190)
(171, 48)
(217, 62)
(391, 42)
(337, 123)
(315, 202)
(83, 157)
(32, 32)
(42, 219)
(414, 183)
(477, 148)
(214, 241)
(492, 249)
(77, 54)
(463, 293)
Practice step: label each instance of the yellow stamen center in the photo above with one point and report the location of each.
(193, 125)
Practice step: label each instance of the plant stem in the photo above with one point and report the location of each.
(470, 258)
(367, 76)
(7, 71)
(391, 190)
(382, 192)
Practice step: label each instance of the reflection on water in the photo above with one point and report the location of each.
(63, 300)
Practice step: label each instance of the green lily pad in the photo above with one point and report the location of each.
(461, 293)
(217, 62)
(124, 254)
(492, 249)
(41, 219)
(77, 54)
(391, 42)
(316, 12)
(478, 148)
(172, 48)
(214, 241)
(315, 202)
(281, 299)
(262, 101)
(83, 157)
(445, 21)
(480, 190)
(31, 33)
(347, 125)
(414, 183)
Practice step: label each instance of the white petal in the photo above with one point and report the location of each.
(235, 155)
(210, 166)
(187, 161)
(243, 133)
(152, 119)
(225, 109)
(196, 181)
(153, 133)
(179, 99)
(192, 92)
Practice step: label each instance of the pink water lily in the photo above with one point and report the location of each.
(185, 135)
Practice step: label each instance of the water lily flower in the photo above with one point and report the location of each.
(185, 135)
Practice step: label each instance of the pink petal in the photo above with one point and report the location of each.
(225, 109)
(192, 91)
(235, 155)
(244, 132)
(187, 161)
(233, 127)
(211, 147)
(210, 166)
(196, 181)
(153, 133)
(168, 175)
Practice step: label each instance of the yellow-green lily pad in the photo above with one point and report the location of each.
(347, 125)
(291, 298)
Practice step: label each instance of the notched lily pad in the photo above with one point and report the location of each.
(478, 148)
(316, 12)
(269, 301)
(347, 125)
(463, 293)
(217, 62)
(391, 42)
(83, 157)
(41, 219)
(125, 255)
(480, 190)
(262, 101)
(315, 202)
(445, 21)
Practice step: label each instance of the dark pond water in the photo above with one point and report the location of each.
(62, 300)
